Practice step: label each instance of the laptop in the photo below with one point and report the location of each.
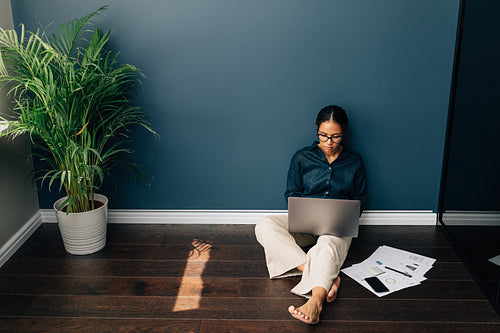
(316, 216)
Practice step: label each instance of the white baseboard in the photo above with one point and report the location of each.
(475, 218)
(386, 217)
(18, 239)
(398, 217)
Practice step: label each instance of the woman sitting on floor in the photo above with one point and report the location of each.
(326, 169)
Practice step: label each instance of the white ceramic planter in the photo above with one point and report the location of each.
(83, 233)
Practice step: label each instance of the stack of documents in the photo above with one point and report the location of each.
(396, 269)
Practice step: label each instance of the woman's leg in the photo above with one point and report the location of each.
(320, 279)
(283, 250)
(323, 263)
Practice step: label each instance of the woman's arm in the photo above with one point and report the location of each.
(359, 190)
(294, 187)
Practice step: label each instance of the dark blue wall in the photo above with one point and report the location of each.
(234, 87)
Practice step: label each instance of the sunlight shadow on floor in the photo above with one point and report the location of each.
(191, 286)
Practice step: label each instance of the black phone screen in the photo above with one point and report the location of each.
(376, 284)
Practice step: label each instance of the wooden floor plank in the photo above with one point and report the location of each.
(61, 325)
(165, 286)
(149, 252)
(215, 287)
(101, 325)
(247, 308)
(325, 326)
(134, 268)
(168, 234)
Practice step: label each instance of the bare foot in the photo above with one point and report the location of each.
(309, 312)
(332, 293)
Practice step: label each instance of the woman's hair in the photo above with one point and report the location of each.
(335, 113)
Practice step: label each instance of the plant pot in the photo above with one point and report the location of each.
(83, 233)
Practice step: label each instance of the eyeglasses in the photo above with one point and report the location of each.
(334, 138)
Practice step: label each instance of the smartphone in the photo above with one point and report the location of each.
(376, 284)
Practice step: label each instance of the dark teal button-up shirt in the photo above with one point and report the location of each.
(310, 175)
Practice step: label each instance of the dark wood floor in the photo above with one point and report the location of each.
(212, 278)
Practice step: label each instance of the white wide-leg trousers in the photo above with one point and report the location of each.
(284, 253)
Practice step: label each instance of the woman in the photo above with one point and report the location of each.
(326, 169)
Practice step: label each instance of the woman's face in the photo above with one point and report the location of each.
(330, 136)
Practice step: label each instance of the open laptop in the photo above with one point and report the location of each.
(324, 216)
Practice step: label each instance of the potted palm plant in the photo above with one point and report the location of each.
(75, 101)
